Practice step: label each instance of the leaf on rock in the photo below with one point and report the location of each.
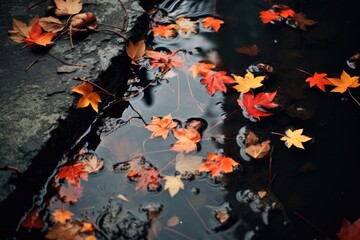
(173, 184)
(37, 37)
(344, 82)
(186, 163)
(135, 51)
(67, 7)
(319, 80)
(212, 22)
(33, 220)
(93, 163)
(73, 173)
(51, 24)
(187, 139)
(20, 30)
(251, 50)
(217, 164)
(244, 84)
(201, 68)
(161, 126)
(295, 138)
(89, 97)
(349, 231)
(165, 31)
(215, 81)
(258, 150)
(70, 194)
(253, 105)
(61, 216)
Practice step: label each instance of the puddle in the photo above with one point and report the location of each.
(126, 196)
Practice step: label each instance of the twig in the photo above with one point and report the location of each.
(71, 37)
(197, 214)
(66, 63)
(269, 175)
(142, 119)
(311, 225)
(112, 31)
(11, 168)
(35, 4)
(353, 97)
(177, 232)
(33, 63)
(97, 228)
(126, 17)
(94, 84)
(108, 25)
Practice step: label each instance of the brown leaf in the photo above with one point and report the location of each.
(51, 24)
(21, 30)
(258, 150)
(93, 163)
(173, 221)
(300, 21)
(251, 50)
(135, 51)
(262, 193)
(67, 7)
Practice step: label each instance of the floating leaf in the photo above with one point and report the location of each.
(201, 68)
(212, 22)
(258, 150)
(165, 31)
(349, 231)
(173, 184)
(217, 164)
(89, 97)
(319, 80)
(73, 173)
(299, 20)
(93, 163)
(215, 81)
(244, 84)
(187, 138)
(164, 60)
(344, 82)
(62, 216)
(186, 26)
(161, 126)
(295, 137)
(135, 51)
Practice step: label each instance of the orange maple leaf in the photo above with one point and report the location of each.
(187, 139)
(164, 60)
(268, 16)
(344, 82)
(201, 68)
(161, 126)
(62, 216)
(36, 36)
(217, 164)
(88, 96)
(135, 51)
(349, 231)
(288, 12)
(73, 173)
(215, 81)
(212, 22)
(165, 31)
(320, 80)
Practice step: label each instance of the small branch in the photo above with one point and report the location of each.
(33, 63)
(71, 37)
(112, 31)
(358, 103)
(142, 119)
(64, 62)
(179, 233)
(311, 225)
(35, 4)
(304, 71)
(280, 134)
(126, 17)
(94, 84)
(97, 228)
(108, 25)
(11, 168)
(197, 214)
(269, 175)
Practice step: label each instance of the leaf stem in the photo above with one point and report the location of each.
(112, 31)
(177, 232)
(304, 71)
(33, 63)
(358, 103)
(280, 134)
(64, 62)
(11, 168)
(126, 17)
(94, 84)
(197, 214)
(142, 119)
(108, 25)
(35, 4)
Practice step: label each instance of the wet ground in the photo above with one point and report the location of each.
(308, 191)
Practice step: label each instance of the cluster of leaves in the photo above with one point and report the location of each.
(282, 13)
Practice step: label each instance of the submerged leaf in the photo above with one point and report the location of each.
(62, 216)
(173, 184)
(186, 163)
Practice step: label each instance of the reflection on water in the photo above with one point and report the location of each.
(257, 200)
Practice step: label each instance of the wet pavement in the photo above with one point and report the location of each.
(37, 105)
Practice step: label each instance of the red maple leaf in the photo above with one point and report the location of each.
(320, 80)
(215, 81)
(164, 60)
(217, 164)
(33, 220)
(165, 31)
(36, 36)
(349, 231)
(254, 105)
(212, 22)
(73, 173)
(268, 16)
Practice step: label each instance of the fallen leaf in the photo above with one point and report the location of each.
(20, 30)
(295, 137)
(319, 80)
(74, 230)
(33, 220)
(186, 163)
(161, 126)
(164, 60)
(173, 184)
(61, 216)
(67, 7)
(344, 82)
(258, 150)
(349, 231)
(217, 164)
(173, 221)
(165, 31)
(122, 197)
(244, 84)
(36, 36)
(187, 139)
(73, 173)
(262, 194)
(201, 68)
(147, 178)
(93, 163)
(51, 24)
(299, 20)
(251, 50)
(89, 97)
(135, 51)
(186, 26)
(268, 16)
(87, 227)
(215, 81)
(70, 194)
(212, 22)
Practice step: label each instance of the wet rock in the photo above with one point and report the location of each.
(67, 69)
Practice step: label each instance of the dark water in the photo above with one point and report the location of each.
(318, 184)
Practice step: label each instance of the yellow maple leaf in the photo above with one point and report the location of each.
(161, 126)
(88, 96)
(344, 82)
(62, 216)
(174, 184)
(244, 84)
(295, 137)
(186, 26)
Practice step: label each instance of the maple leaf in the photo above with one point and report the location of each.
(186, 26)
(217, 164)
(67, 7)
(187, 139)
(251, 50)
(258, 150)
(20, 30)
(253, 105)
(161, 126)
(70, 194)
(286, 12)
(51, 24)
(164, 60)
(299, 20)
(201, 68)
(165, 30)
(268, 16)
(320, 80)
(185, 163)
(87, 227)
(70, 231)
(344, 82)
(36, 36)
(212, 22)
(62, 216)
(72, 173)
(135, 51)
(244, 84)
(93, 163)
(33, 220)
(174, 184)
(349, 231)
(295, 137)
(88, 96)
(215, 81)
